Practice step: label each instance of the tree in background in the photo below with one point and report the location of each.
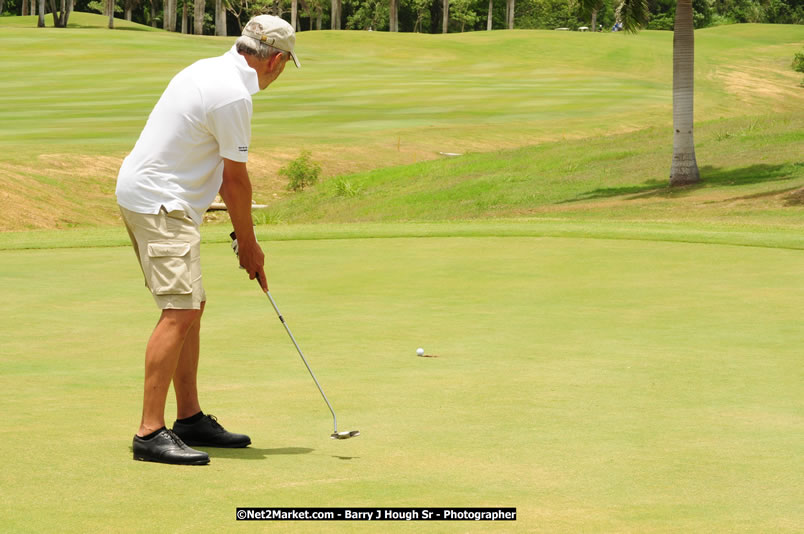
(60, 14)
(238, 8)
(489, 18)
(314, 10)
(420, 15)
(368, 15)
(128, 8)
(220, 18)
(335, 14)
(463, 13)
(445, 16)
(169, 16)
(393, 17)
(684, 169)
(591, 9)
(634, 14)
(198, 16)
(421, 10)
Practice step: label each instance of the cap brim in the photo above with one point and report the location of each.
(295, 60)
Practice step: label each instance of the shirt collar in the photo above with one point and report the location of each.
(247, 74)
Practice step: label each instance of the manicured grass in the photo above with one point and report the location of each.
(613, 356)
(751, 169)
(366, 100)
(596, 385)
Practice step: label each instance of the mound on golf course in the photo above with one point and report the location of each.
(612, 355)
(373, 100)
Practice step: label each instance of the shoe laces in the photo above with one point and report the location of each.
(215, 422)
(176, 439)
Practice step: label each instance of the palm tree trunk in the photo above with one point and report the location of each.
(393, 21)
(184, 17)
(41, 22)
(110, 3)
(220, 18)
(336, 15)
(488, 19)
(511, 4)
(198, 15)
(445, 18)
(169, 16)
(684, 169)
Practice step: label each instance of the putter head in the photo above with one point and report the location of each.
(346, 434)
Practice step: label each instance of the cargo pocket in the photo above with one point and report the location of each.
(170, 268)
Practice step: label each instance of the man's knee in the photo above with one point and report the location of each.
(182, 320)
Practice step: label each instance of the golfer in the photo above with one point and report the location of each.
(194, 146)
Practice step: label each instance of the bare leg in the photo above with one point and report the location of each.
(185, 382)
(161, 358)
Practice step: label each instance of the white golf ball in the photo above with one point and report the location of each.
(420, 351)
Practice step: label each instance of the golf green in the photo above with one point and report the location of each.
(593, 384)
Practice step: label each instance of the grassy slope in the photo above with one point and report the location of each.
(751, 167)
(373, 100)
(597, 385)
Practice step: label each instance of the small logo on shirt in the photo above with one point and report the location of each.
(242, 148)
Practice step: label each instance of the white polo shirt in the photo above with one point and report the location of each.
(203, 116)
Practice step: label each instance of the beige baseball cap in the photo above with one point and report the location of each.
(273, 31)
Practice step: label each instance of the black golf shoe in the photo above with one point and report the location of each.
(207, 432)
(167, 448)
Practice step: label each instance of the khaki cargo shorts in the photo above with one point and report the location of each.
(168, 247)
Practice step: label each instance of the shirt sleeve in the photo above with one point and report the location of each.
(231, 126)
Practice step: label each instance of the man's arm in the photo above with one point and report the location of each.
(236, 194)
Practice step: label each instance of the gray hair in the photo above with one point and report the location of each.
(252, 47)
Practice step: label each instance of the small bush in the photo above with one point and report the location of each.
(665, 21)
(301, 172)
(798, 63)
(262, 217)
(345, 188)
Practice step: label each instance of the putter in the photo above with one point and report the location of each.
(346, 434)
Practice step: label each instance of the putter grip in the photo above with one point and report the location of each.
(233, 236)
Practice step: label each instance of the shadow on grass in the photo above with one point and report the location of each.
(249, 453)
(710, 177)
(252, 453)
(79, 26)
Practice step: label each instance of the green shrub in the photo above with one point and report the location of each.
(345, 188)
(264, 216)
(301, 172)
(798, 63)
(665, 21)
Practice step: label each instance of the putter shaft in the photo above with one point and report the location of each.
(298, 349)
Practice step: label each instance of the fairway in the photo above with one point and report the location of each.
(552, 102)
(594, 384)
(607, 353)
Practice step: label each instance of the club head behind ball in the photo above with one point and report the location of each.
(345, 434)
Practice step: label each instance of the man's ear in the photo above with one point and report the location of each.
(275, 60)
